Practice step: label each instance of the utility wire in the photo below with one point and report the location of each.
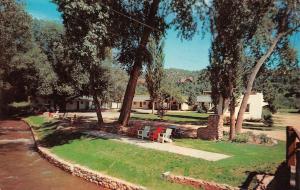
(130, 18)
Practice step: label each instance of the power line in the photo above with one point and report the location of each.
(130, 18)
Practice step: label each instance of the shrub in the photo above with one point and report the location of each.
(243, 137)
(202, 108)
(264, 139)
(267, 118)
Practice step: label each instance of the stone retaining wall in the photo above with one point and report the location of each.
(214, 129)
(83, 172)
(196, 183)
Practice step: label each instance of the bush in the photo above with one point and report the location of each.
(267, 117)
(202, 108)
(264, 139)
(243, 137)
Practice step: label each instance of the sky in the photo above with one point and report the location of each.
(189, 55)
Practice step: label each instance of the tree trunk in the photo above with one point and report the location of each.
(153, 104)
(251, 79)
(221, 108)
(98, 110)
(129, 94)
(232, 119)
(137, 67)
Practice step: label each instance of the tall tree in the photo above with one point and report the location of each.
(87, 24)
(281, 19)
(144, 19)
(155, 71)
(228, 22)
(22, 63)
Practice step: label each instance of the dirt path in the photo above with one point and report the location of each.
(22, 168)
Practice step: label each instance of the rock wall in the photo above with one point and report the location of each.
(196, 183)
(88, 174)
(214, 129)
(98, 178)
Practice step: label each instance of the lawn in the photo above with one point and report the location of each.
(47, 127)
(145, 166)
(178, 117)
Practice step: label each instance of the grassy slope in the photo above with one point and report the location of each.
(145, 166)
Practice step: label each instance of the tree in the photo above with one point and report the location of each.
(87, 33)
(119, 79)
(50, 37)
(281, 19)
(147, 18)
(155, 71)
(228, 22)
(23, 63)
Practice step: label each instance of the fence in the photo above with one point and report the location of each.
(293, 156)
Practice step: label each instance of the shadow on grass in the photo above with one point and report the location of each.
(63, 132)
(279, 182)
(59, 138)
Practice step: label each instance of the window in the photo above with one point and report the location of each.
(141, 104)
(134, 103)
(81, 102)
(144, 103)
(248, 108)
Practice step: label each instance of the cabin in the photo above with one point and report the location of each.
(254, 107)
(144, 102)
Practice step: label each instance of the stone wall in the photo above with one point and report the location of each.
(98, 178)
(196, 183)
(214, 129)
(88, 174)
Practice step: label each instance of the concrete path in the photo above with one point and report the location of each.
(168, 147)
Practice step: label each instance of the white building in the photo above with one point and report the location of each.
(254, 107)
(144, 102)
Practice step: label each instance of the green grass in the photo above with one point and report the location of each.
(173, 117)
(36, 120)
(288, 110)
(41, 126)
(145, 166)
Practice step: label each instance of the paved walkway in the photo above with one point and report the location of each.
(168, 147)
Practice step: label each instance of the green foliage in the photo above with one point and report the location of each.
(242, 137)
(279, 87)
(267, 117)
(23, 63)
(155, 69)
(88, 46)
(264, 139)
(202, 108)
